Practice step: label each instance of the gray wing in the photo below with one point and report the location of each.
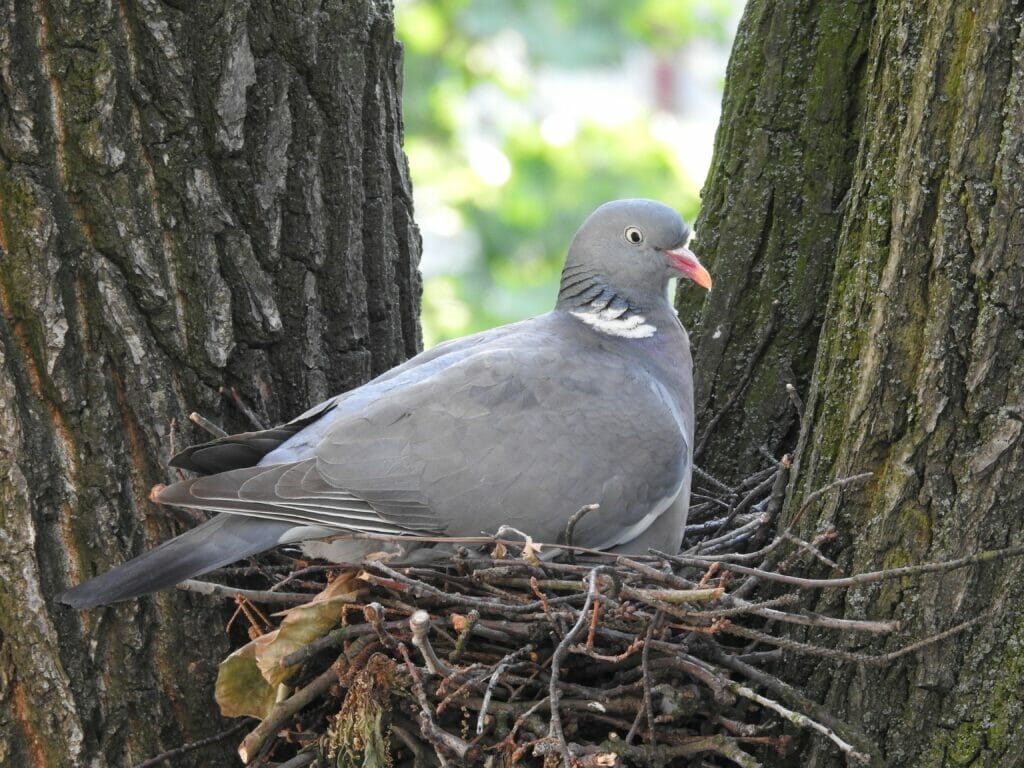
(522, 433)
(299, 436)
(240, 450)
(217, 542)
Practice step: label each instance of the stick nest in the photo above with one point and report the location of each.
(502, 656)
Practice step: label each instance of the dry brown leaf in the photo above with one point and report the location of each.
(241, 688)
(303, 624)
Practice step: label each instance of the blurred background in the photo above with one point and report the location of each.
(521, 117)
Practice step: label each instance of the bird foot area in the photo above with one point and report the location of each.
(499, 658)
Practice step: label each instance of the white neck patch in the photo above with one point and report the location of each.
(612, 322)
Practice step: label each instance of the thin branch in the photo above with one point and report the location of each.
(204, 423)
(184, 749)
(667, 753)
(333, 639)
(712, 525)
(801, 721)
(493, 682)
(285, 710)
(763, 474)
(257, 596)
(754, 495)
(419, 623)
(441, 740)
(861, 578)
(570, 526)
(648, 705)
(812, 549)
(748, 527)
(795, 699)
(465, 632)
(555, 731)
(886, 658)
(703, 474)
(778, 494)
(808, 619)
(743, 607)
(236, 399)
(841, 482)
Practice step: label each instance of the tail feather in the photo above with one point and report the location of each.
(216, 543)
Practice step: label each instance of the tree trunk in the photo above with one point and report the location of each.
(869, 178)
(192, 196)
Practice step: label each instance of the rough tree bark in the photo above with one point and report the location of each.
(869, 177)
(192, 196)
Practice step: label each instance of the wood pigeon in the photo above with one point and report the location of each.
(591, 403)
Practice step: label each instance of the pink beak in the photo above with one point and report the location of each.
(684, 262)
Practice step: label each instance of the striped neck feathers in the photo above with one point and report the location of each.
(588, 297)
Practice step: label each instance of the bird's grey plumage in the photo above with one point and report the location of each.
(217, 542)
(520, 425)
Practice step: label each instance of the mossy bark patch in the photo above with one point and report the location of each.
(868, 177)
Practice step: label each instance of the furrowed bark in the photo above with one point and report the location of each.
(903, 285)
(191, 197)
(771, 217)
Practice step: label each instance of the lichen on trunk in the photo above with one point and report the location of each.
(913, 327)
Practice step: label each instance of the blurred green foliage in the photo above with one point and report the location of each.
(519, 218)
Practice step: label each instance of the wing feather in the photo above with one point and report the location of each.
(292, 493)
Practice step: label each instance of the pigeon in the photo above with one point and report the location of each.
(521, 425)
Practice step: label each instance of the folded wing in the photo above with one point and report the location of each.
(508, 433)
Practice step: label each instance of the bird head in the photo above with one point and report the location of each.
(636, 246)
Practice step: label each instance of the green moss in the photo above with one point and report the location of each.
(18, 213)
(87, 76)
(890, 593)
(1006, 702)
(763, 386)
(840, 40)
(991, 734)
(964, 745)
(953, 81)
(20, 217)
(915, 525)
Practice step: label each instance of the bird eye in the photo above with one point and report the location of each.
(634, 235)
